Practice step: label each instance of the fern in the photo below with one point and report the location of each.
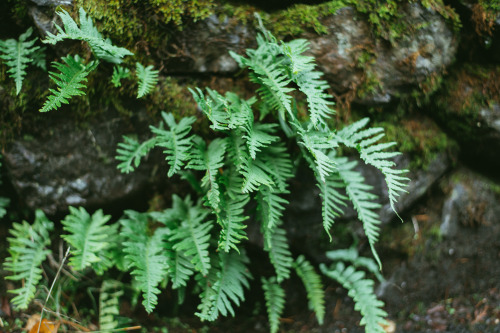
(69, 81)
(176, 142)
(314, 287)
(131, 151)
(361, 290)
(232, 222)
(27, 249)
(17, 54)
(87, 236)
(4, 202)
(147, 78)
(275, 302)
(333, 200)
(109, 307)
(102, 48)
(145, 255)
(228, 286)
(271, 207)
(351, 255)
(119, 73)
(275, 243)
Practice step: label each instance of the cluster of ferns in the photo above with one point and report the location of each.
(246, 160)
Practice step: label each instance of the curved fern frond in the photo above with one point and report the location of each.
(351, 255)
(130, 152)
(361, 290)
(102, 48)
(314, 287)
(258, 136)
(363, 201)
(333, 200)
(179, 268)
(374, 154)
(229, 286)
(176, 141)
(275, 243)
(147, 77)
(27, 249)
(271, 207)
(69, 81)
(119, 73)
(255, 173)
(87, 236)
(232, 222)
(279, 164)
(109, 306)
(145, 254)
(275, 302)
(17, 54)
(192, 238)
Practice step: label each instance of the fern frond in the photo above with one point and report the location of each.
(374, 154)
(275, 302)
(130, 152)
(314, 287)
(192, 237)
(351, 255)
(145, 254)
(271, 207)
(87, 236)
(209, 159)
(119, 73)
(4, 202)
(109, 306)
(363, 201)
(258, 136)
(147, 77)
(276, 244)
(179, 268)
(69, 81)
(17, 54)
(176, 141)
(333, 200)
(279, 165)
(27, 249)
(255, 173)
(229, 286)
(361, 290)
(102, 48)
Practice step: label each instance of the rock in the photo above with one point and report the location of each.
(469, 109)
(43, 22)
(472, 202)
(53, 3)
(64, 164)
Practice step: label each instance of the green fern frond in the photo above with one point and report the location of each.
(130, 152)
(145, 254)
(333, 200)
(27, 249)
(228, 286)
(192, 237)
(363, 201)
(69, 81)
(271, 207)
(209, 159)
(314, 287)
(275, 302)
(232, 222)
(374, 154)
(255, 173)
(276, 244)
(17, 54)
(109, 306)
(119, 73)
(176, 141)
(279, 165)
(87, 236)
(361, 290)
(147, 77)
(351, 255)
(180, 269)
(102, 48)
(259, 136)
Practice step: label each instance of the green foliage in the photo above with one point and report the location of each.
(275, 301)
(361, 290)
(119, 73)
(102, 48)
(109, 307)
(17, 54)
(147, 77)
(27, 249)
(314, 287)
(4, 202)
(69, 81)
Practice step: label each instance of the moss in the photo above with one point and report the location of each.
(484, 14)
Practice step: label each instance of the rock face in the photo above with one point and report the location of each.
(424, 52)
(70, 166)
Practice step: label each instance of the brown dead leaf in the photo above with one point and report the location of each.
(47, 326)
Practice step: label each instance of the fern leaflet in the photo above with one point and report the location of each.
(275, 243)
(119, 73)
(333, 200)
(147, 78)
(69, 81)
(275, 302)
(176, 142)
(314, 287)
(130, 152)
(351, 255)
(17, 54)
(361, 290)
(102, 48)
(27, 248)
(87, 236)
(271, 207)
(109, 307)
